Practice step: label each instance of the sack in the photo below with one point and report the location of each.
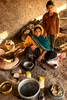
(55, 62)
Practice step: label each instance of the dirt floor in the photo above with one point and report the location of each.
(51, 75)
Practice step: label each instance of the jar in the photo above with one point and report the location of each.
(41, 82)
(28, 74)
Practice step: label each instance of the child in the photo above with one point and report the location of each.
(50, 24)
(36, 46)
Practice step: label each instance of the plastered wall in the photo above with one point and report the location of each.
(14, 14)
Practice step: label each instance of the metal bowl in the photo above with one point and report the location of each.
(29, 89)
(6, 87)
(56, 97)
(28, 65)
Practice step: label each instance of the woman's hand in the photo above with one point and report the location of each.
(38, 60)
(28, 44)
(45, 35)
(33, 47)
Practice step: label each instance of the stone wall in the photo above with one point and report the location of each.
(14, 14)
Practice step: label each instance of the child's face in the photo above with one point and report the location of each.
(50, 8)
(37, 32)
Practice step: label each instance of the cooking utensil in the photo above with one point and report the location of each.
(28, 65)
(10, 65)
(9, 44)
(8, 57)
(6, 87)
(50, 55)
(56, 97)
(29, 89)
(39, 64)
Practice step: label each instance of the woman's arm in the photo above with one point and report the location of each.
(41, 56)
(27, 42)
(30, 43)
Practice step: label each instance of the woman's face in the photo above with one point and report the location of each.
(50, 8)
(37, 32)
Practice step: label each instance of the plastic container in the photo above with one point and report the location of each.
(41, 82)
(28, 74)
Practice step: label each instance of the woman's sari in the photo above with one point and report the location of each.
(43, 43)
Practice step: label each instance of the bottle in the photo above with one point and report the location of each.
(41, 82)
(28, 74)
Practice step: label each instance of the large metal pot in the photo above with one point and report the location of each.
(29, 89)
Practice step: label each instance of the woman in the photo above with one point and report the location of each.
(50, 24)
(36, 46)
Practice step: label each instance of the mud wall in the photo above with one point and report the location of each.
(14, 14)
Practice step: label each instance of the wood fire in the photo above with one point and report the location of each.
(7, 60)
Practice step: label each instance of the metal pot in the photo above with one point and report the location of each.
(6, 87)
(29, 89)
(28, 65)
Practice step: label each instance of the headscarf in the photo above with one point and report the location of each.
(38, 26)
(43, 43)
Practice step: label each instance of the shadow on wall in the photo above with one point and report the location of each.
(24, 30)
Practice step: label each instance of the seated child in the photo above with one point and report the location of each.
(36, 46)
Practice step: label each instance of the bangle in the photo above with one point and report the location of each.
(40, 57)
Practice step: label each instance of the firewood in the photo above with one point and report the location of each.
(17, 47)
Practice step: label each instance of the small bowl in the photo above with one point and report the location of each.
(28, 65)
(6, 87)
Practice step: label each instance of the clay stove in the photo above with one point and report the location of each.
(8, 62)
